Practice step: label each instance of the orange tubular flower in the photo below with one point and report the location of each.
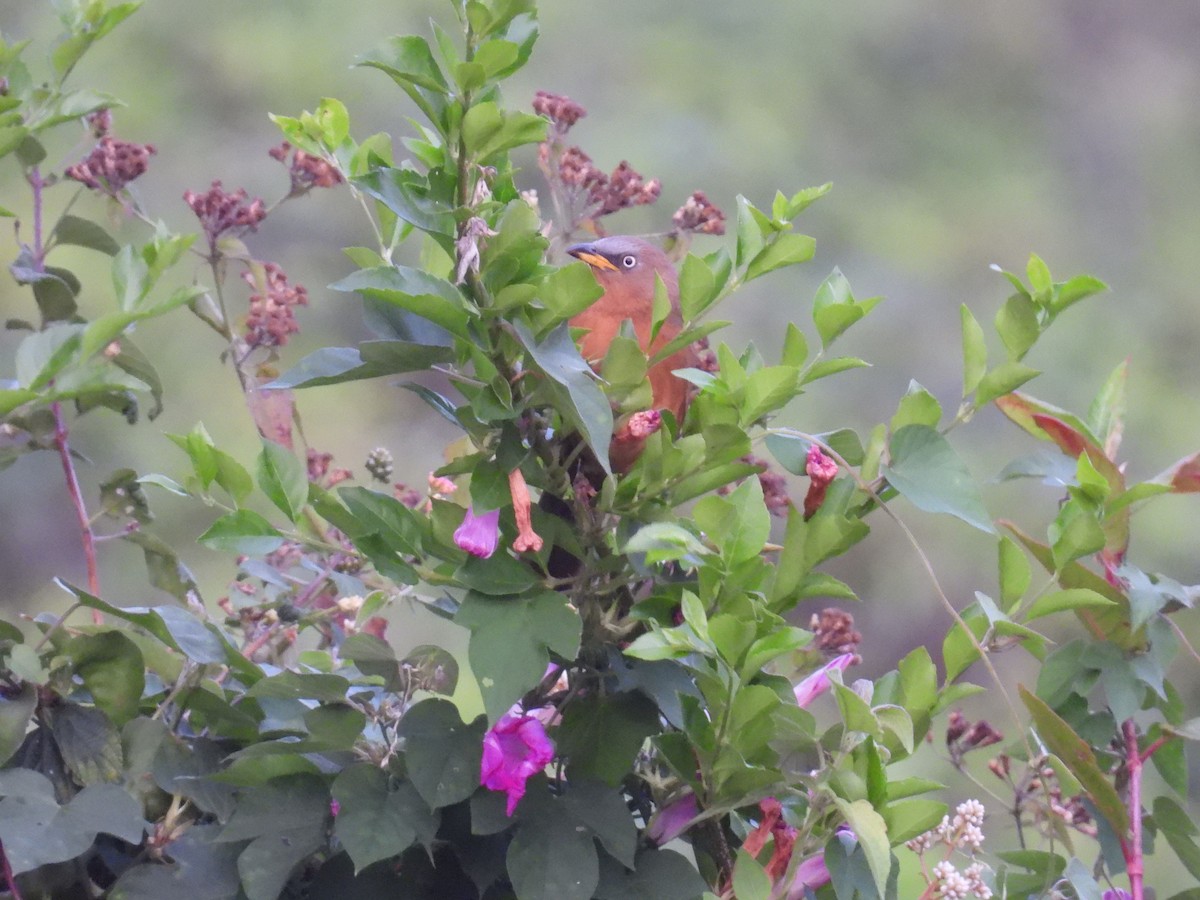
(527, 538)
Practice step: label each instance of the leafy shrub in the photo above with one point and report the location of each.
(646, 729)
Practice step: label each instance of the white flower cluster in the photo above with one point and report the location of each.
(963, 833)
(955, 885)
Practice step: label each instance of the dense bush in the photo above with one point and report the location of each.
(646, 727)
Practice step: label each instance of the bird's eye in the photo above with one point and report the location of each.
(629, 261)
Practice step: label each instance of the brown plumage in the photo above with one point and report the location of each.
(626, 268)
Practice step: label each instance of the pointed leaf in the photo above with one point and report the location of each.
(927, 471)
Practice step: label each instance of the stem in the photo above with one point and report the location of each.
(1133, 847)
(215, 263)
(81, 514)
(39, 250)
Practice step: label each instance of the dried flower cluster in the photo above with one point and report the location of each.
(100, 122)
(1036, 791)
(698, 215)
(963, 736)
(834, 631)
(220, 212)
(563, 112)
(305, 170)
(773, 483)
(583, 193)
(321, 470)
(625, 187)
(111, 165)
(272, 316)
(964, 834)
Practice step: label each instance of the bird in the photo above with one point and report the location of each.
(627, 268)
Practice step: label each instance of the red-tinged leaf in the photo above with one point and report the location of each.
(1066, 438)
(1020, 409)
(1184, 476)
(1111, 623)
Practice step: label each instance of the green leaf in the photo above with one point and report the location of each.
(1079, 758)
(488, 130)
(739, 525)
(1176, 824)
(1004, 379)
(1073, 290)
(974, 351)
(786, 250)
(603, 811)
(511, 642)
(552, 858)
(825, 367)
(243, 531)
(1017, 324)
(36, 831)
(442, 754)
(412, 290)
(917, 407)
(767, 390)
(376, 821)
(1015, 574)
(601, 736)
(927, 471)
(88, 741)
(173, 625)
(371, 359)
(871, 830)
(283, 478)
(697, 287)
(908, 818)
(570, 290)
(16, 711)
(656, 875)
(84, 233)
(581, 401)
(750, 882)
(918, 681)
(285, 821)
(1073, 598)
(112, 669)
(1106, 414)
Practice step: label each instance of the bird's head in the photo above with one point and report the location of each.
(628, 265)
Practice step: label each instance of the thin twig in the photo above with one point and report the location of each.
(937, 586)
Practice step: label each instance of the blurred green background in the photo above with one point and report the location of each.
(956, 135)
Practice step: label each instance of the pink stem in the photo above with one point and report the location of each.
(1133, 848)
(60, 423)
(85, 526)
(7, 872)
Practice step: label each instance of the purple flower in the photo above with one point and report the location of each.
(811, 874)
(817, 683)
(1117, 894)
(478, 534)
(514, 749)
(670, 820)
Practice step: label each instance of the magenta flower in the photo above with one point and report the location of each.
(668, 823)
(514, 749)
(812, 874)
(817, 683)
(478, 534)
